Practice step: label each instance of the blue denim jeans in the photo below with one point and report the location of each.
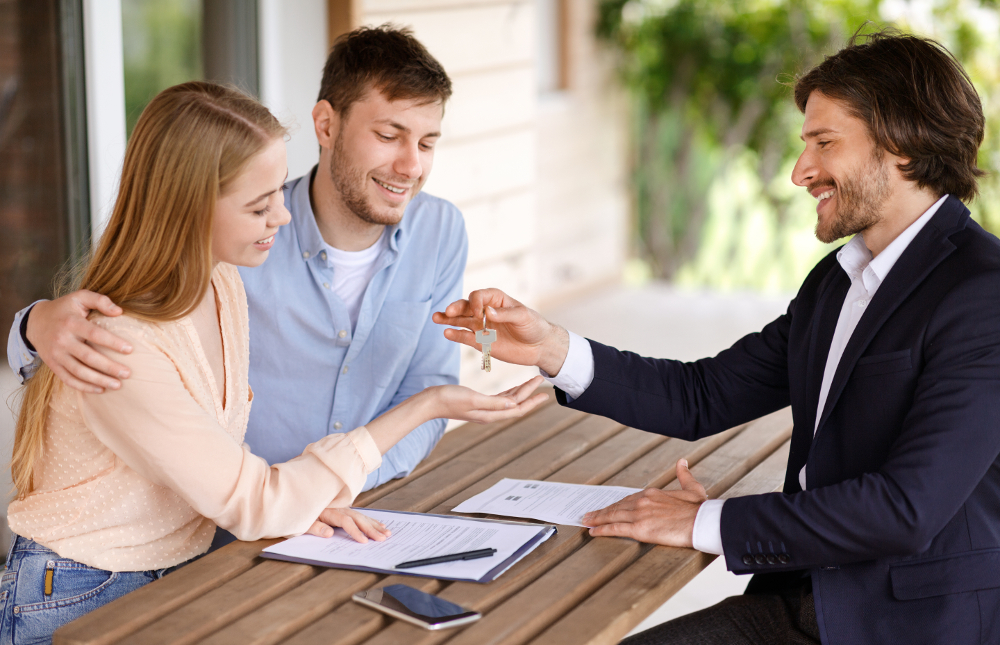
(29, 615)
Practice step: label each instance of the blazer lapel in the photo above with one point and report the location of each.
(832, 291)
(924, 253)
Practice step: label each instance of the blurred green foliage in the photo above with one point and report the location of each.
(715, 129)
(162, 47)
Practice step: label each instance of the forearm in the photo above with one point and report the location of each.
(402, 458)
(390, 427)
(684, 400)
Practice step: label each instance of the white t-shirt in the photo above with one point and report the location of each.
(352, 271)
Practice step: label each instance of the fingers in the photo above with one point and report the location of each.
(63, 375)
(687, 480)
(461, 336)
(320, 529)
(357, 525)
(519, 410)
(348, 524)
(91, 301)
(96, 335)
(613, 530)
(480, 299)
(82, 372)
(524, 390)
(458, 308)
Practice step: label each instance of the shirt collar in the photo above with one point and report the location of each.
(885, 260)
(857, 260)
(311, 242)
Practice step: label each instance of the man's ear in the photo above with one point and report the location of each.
(326, 122)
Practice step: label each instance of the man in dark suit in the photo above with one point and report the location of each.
(888, 528)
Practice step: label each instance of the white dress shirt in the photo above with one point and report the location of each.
(866, 273)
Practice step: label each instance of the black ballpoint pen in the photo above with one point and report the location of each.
(466, 555)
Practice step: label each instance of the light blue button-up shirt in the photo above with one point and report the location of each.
(311, 374)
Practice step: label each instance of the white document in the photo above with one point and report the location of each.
(416, 536)
(546, 501)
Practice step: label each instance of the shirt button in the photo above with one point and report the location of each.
(345, 369)
(862, 303)
(326, 285)
(342, 333)
(322, 255)
(305, 255)
(338, 425)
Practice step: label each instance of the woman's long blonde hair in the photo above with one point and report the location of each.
(155, 257)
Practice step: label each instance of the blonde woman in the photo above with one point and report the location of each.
(115, 489)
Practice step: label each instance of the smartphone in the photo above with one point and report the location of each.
(415, 606)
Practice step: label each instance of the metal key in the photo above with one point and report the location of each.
(486, 337)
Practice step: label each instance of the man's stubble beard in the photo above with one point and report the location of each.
(860, 199)
(351, 184)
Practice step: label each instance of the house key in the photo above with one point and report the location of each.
(486, 337)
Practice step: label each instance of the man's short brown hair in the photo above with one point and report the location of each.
(388, 59)
(917, 102)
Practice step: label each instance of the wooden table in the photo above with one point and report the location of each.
(572, 590)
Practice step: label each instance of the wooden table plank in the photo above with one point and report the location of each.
(556, 592)
(428, 490)
(652, 579)
(353, 623)
(114, 623)
(285, 617)
(484, 598)
(209, 598)
(617, 452)
(227, 603)
(295, 610)
(453, 443)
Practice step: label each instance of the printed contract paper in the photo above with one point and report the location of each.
(546, 501)
(416, 536)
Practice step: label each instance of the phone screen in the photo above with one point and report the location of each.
(416, 606)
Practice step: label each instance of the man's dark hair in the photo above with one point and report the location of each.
(388, 59)
(917, 102)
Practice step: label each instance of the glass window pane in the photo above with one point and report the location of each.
(161, 40)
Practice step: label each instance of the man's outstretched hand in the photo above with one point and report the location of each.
(64, 339)
(523, 336)
(653, 516)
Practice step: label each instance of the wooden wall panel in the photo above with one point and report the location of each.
(501, 227)
(476, 170)
(471, 37)
(488, 101)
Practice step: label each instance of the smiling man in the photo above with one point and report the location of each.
(340, 327)
(887, 529)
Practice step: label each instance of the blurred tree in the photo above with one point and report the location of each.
(711, 100)
(162, 47)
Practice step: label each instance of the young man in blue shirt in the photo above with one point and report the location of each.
(340, 314)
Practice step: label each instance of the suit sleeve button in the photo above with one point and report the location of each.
(748, 559)
(760, 559)
(772, 559)
(784, 558)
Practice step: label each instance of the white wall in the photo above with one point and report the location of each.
(293, 48)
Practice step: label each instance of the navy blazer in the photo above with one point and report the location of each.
(900, 524)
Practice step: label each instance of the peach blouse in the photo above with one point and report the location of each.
(138, 478)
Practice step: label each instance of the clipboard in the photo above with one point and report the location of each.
(420, 535)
